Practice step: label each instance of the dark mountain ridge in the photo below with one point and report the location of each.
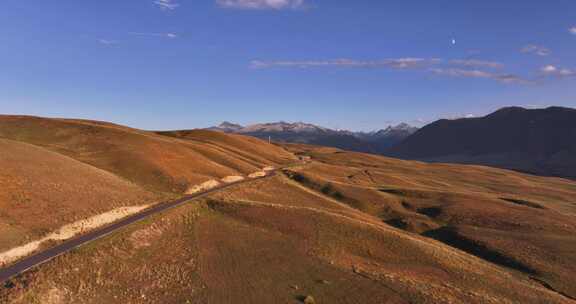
(540, 141)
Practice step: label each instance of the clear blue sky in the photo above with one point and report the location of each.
(168, 64)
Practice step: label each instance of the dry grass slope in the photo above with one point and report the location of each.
(516, 221)
(156, 162)
(43, 190)
(59, 171)
(347, 228)
(228, 251)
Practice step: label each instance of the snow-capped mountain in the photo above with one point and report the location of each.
(227, 127)
(300, 132)
(282, 126)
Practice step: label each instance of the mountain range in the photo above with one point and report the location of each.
(305, 133)
(324, 226)
(539, 141)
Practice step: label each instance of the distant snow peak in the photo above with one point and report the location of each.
(303, 127)
(227, 127)
(306, 133)
(282, 126)
(227, 124)
(400, 128)
(404, 126)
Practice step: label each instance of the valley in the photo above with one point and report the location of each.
(345, 227)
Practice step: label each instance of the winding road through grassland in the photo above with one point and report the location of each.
(44, 256)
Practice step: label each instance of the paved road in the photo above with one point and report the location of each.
(49, 254)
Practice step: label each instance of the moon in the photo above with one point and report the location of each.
(453, 41)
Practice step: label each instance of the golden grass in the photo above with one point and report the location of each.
(347, 228)
(43, 190)
(59, 171)
(224, 251)
(157, 162)
(514, 220)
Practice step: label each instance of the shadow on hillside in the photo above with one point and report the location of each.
(451, 237)
(327, 189)
(522, 203)
(432, 212)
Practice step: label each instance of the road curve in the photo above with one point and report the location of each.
(51, 253)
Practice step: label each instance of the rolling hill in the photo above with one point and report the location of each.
(43, 190)
(539, 141)
(157, 161)
(344, 228)
(57, 172)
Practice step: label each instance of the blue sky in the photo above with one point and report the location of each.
(362, 65)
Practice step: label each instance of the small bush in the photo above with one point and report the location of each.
(328, 189)
(309, 300)
(297, 176)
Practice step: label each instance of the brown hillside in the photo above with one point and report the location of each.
(329, 231)
(43, 190)
(227, 251)
(155, 162)
(517, 221)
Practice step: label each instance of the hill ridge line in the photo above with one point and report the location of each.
(47, 255)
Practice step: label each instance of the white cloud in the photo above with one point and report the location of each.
(572, 30)
(462, 73)
(261, 4)
(461, 68)
(511, 78)
(107, 42)
(555, 71)
(398, 63)
(164, 35)
(166, 5)
(549, 69)
(536, 50)
(476, 63)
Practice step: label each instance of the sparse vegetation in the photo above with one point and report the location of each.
(317, 232)
(328, 189)
(74, 169)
